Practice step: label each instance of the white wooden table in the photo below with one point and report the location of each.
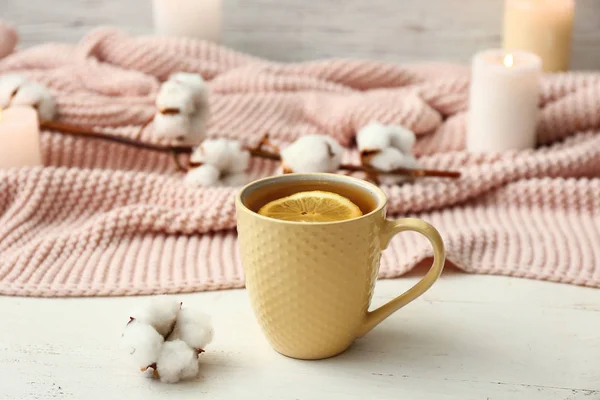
(469, 337)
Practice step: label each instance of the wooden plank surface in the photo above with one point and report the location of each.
(469, 337)
(407, 30)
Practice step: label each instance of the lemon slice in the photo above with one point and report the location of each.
(312, 206)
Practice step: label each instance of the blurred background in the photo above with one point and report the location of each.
(292, 30)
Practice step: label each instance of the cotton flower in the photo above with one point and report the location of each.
(183, 109)
(224, 162)
(386, 148)
(204, 175)
(193, 327)
(9, 85)
(391, 158)
(200, 93)
(197, 85)
(175, 104)
(17, 91)
(312, 153)
(376, 136)
(228, 156)
(372, 137)
(38, 96)
(401, 138)
(207, 175)
(175, 96)
(388, 160)
(177, 361)
(235, 180)
(167, 337)
(159, 312)
(142, 342)
(172, 126)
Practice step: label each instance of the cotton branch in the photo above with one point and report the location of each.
(257, 151)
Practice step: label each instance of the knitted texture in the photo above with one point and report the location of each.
(102, 218)
(8, 39)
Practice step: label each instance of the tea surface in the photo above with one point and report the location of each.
(258, 198)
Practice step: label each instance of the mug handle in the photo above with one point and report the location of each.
(391, 228)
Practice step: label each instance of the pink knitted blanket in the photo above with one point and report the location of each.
(102, 218)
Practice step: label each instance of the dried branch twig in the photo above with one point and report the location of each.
(77, 131)
(414, 173)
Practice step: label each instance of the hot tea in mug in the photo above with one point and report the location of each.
(311, 282)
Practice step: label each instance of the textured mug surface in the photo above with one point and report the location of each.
(310, 284)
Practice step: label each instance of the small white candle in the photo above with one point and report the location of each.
(503, 101)
(19, 137)
(197, 19)
(542, 27)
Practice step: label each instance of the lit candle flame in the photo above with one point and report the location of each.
(509, 60)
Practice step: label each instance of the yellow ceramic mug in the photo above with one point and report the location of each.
(310, 284)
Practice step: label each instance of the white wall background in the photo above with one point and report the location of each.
(392, 30)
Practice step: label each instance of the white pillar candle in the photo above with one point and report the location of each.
(542, 27)
(503, 101)
(19, 137)
(197, 19)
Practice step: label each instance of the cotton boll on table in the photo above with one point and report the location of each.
(194, 327)
(167, 338)
(142, 342)
(177, 361)
(159, 312)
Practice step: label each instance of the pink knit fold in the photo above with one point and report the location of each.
(8, 39)
(101, 218)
